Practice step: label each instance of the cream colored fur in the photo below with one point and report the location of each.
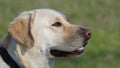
(31, 36)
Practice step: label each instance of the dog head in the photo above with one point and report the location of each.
(50, 32)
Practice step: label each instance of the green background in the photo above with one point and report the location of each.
(101, 16)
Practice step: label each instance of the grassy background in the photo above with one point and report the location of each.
(101, 16)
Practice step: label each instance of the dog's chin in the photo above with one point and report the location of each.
(67, 54)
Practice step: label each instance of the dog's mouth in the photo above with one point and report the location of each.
(66, 54)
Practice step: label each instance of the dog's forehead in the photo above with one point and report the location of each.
(49, 13)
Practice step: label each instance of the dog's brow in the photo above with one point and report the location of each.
(58, 19)
(66, 18)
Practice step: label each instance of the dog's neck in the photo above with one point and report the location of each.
(31, 58)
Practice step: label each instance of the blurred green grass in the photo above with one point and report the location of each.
(101, 16)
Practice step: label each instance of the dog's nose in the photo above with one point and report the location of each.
(86, 32)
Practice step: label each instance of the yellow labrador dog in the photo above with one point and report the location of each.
(36, 38)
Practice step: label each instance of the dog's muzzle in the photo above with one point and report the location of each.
(60, 53)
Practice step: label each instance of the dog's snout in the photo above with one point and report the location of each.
(86, 32)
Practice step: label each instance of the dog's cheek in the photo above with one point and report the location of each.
(49, 37)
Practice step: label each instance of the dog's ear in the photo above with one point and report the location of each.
(20, 29)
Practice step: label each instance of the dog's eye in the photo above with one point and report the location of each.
(57, 24)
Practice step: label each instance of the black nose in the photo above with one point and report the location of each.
(86, 32)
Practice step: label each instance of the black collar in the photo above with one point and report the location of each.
(7, 58)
